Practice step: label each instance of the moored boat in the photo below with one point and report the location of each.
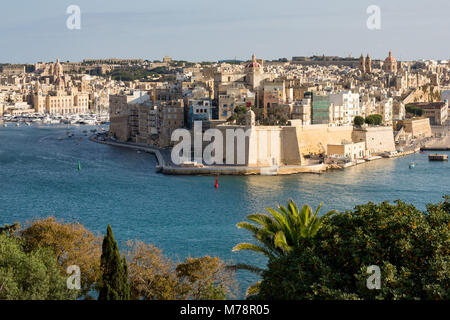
(437, 157)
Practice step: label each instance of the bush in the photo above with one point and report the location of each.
(153, 276)
(30, 275)
(205, 278)
(416, 111)
(374, 119)
(358, 121)
(410, 247)
(72, 244)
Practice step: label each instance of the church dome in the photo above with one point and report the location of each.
(390, 58)
(253, 63)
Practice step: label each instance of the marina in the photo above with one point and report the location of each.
(72, 119)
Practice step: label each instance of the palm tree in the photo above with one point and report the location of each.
(280, 233)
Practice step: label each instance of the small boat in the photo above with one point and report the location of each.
(437, 157)
(412, 165)
(60, 138)
(17, 124)
(5, 125)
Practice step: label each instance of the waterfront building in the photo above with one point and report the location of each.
(135, 117)
(266, 146)
(302, 111)
(199, 110)
(437, 112)
(417, 128)
(171, 117)
(275, 93)
(377, 139)
(123, 114)
(346, 107)
(349, 150)
(320, 111)
(231, 96)
(385, 109)
(63, 98)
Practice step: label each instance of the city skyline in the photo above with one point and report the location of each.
(202, 31)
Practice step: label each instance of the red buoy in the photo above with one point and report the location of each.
(216, 185)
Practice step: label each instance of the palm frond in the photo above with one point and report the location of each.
(253, 289)
(248, 267)
(254, 248)
(281, 242)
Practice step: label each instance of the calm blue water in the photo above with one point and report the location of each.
(182, 215)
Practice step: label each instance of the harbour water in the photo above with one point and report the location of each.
(182, 215)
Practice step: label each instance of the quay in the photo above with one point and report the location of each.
(166, 166)
(157, 152)
(243, 170)
(438, 144)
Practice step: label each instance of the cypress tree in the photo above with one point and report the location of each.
(114, 283)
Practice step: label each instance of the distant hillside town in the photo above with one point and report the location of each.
(338, 109)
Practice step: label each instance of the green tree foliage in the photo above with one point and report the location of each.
(152, 275)
(374, 120)
(30, 275)
(10, 229)
(72, 244)
(155, 277)
(131, 73)
(283, 231)
(205, 278)
(414, 110)
(238, 115)
(411, 248)
(358, 121)
(114, 283)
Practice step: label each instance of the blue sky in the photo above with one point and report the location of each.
(209, 30)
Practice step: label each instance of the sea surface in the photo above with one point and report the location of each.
(182, 215)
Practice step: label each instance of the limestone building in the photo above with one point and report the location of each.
(62, 98)
(390, 64)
